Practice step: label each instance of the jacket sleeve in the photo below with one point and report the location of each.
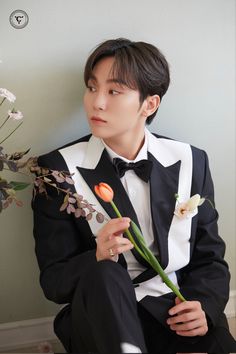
(64, 245)
(206, 278)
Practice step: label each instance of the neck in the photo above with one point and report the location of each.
(127, 147)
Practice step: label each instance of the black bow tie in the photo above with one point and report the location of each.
(142, 168)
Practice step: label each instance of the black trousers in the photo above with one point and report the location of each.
(106, 318)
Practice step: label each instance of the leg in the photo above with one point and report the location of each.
(104, 311)
(217, 340)
(160, 339)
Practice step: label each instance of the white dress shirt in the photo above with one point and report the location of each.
(139, 195)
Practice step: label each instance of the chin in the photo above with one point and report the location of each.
(99, 133)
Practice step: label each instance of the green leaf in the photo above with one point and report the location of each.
(140, 239)
(18, 186)
(137, 232)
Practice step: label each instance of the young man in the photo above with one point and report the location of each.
(116, 303)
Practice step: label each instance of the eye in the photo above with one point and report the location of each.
(91, 88)
(114, 92)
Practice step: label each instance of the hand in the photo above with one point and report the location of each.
(188, 319)
(110, 240)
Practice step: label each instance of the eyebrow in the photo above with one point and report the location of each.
(117, 81)
(113, 80)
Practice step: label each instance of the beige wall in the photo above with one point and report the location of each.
(43, 64)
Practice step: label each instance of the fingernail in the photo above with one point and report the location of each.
(125, 219)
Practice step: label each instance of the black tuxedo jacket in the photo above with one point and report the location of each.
(191, 248)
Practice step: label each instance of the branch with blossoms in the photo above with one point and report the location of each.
(10, 162)
(11, 114)
(73, 203)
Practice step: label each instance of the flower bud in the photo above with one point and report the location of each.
(104, 191)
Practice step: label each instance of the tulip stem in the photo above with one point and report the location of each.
(157, 267)
(148, 255)
(130, 237)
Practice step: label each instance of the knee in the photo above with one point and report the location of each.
(102, 276)
(105, 283)
(104, 272)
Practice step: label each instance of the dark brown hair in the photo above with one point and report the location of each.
(139, 65)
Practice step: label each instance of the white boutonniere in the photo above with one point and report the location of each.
(185, 209)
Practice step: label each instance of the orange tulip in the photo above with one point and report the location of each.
(104, 191)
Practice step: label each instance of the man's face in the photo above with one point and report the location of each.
(113, 110)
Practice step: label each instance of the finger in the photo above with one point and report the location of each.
(118, 233)
(117, 220)
(184, 306)
(182, 317)
(122, 249)
(200, 331)
(106, 249)
(110, 237)
(111, 228)
(117, 241)
(118, 248)
(119, 245)
(177, 300)
(188, 326)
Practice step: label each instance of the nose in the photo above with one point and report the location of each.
(99, 102)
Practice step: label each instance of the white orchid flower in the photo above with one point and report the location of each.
(194, 202)
(16, 115)
(184, 209)
(7, 94)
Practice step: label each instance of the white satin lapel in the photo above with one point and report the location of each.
(87, 155)
(168, 152)
(92, 154)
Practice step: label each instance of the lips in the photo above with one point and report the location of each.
(98, 119)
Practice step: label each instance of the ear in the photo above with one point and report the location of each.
(151, 105)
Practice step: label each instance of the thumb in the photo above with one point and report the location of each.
(177, 301)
